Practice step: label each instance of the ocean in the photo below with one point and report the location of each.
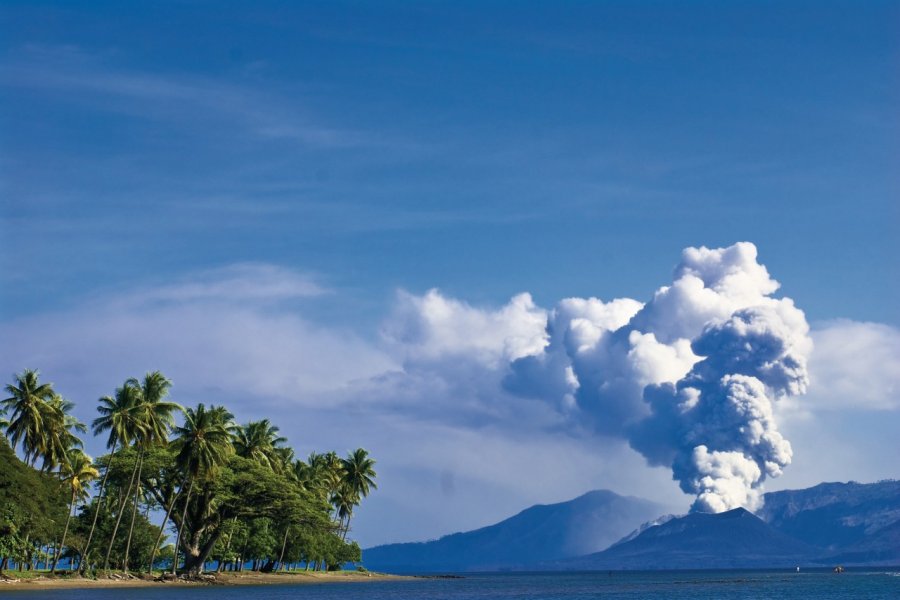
(694, 585)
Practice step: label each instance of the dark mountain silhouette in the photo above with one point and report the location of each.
(540, 533)
(732, 539)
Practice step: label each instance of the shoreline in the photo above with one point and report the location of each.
(228, 579)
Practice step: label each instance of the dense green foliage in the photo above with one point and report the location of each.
(222, 492)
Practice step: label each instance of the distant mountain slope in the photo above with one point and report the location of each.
(540, 533)
(733, 539)
(855, 522)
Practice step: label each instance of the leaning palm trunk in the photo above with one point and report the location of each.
(283, 546)
(187, 500)
(87, 545)
(162, 527)
(345, 529)
(134, 512)
(65, 532)
(112, 538)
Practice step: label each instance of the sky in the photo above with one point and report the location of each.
(327, 214)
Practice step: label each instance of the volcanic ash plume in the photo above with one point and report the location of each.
(689, 378)
(715, 426)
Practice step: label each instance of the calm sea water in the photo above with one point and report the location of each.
(693, 585)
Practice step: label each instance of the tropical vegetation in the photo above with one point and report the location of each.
(180, 489)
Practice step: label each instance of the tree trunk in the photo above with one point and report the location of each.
(87, 545)
(65, 532)
(345, 529)
(187, 500)
(162, 528)
(137, 490)
(193, 563)
(231, 535)
(283, 546)
(25, 559)
(112, 538)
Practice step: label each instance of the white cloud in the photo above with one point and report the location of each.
(238, 283)
(434, 327)
(854, 366)
(221, 334)
(92, 78)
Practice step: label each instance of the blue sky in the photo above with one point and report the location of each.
(350, 150)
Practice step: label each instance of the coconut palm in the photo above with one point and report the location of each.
(59, 432)
(76, 472)
(319, 474)
(118, 416)
(285, 461)
(28, 403)
(203, 443)
(259, 441)
(358, 479)
(343, 500)
(359, 472)
(134, 428)
(156, 417)
(303, 474)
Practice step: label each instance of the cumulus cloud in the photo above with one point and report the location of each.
(688, 378)
(434, 327)
(855, 365)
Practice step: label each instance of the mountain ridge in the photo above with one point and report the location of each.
(731, 539)
(539, 533)
(831, 523)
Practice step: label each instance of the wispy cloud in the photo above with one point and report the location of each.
(93, 79)
(239, 283)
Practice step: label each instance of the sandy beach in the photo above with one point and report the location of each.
(251, 578)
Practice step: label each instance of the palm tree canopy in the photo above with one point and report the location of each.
(155, 414)
(259, 441)
(77, 471)
(28, 402)
(59, 432)
(359, 472)
(120, 415)
(204, 441)
(343, 500)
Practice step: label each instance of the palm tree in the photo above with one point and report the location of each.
(358, 478)
(284, 460)
(343, 500)
(204, 443)
(259, 441)
(59, 437)
(76, 471)
(134, 426)
(359, 472)
(156, 417)
(28, 402)
(118, 416)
